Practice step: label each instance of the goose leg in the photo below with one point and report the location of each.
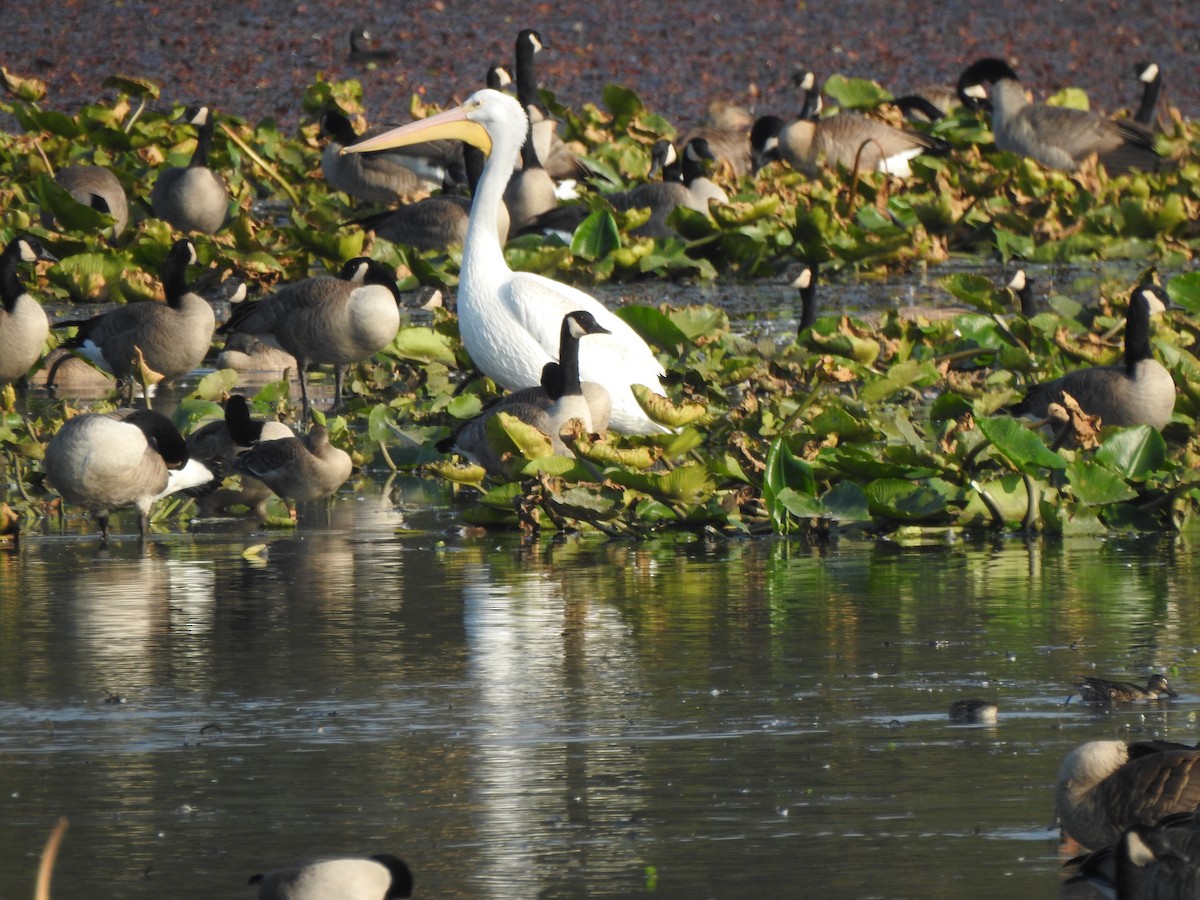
(339, 373)
(301, 365)
(102, 521)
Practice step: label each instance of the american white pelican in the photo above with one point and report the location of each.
(509, 320)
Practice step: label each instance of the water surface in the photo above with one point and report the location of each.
(572, 718)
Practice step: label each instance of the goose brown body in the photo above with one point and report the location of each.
(300, 469)
(97, 187)
(193, 197)
(1105, 787)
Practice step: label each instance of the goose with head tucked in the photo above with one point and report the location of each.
(171, 338)
(97, 187)
(1105, 787)
(387, 178)
(23, 323)
(1140, 392)
(378, 877)
(560, 398)
(193, 197)
(1056, 136)
(327, 320)
(509, 320)
(107, 461)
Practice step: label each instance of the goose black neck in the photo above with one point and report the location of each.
(808, 302)
(527, 89)
(474, 160)
(529, 157)
(1145, 112)
(174, 276)
(162, 435)
(243, 430)
(203, 144)
(567, 375)
(1137, 331)
(10, 285)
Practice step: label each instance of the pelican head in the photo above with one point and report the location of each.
(487, 113)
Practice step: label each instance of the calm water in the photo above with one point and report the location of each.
(562, 719)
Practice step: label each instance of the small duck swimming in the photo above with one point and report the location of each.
(1101, 690)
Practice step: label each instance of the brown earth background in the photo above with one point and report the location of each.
(254, 58)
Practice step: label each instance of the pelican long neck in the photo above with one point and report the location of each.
(482, 250)
(1137, 332)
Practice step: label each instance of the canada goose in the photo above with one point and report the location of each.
(23, 323)
(1022, 287)
(438, 222)
(327, 320)
(805, 282)
(1151, 78)
(556, 158)
(299, 469)
(97, 187)
(1160, 862)
(193, 197)
(387, 178)
(497, 78)
(106, 461)
(1101, 690)
(509, 320)
(530, 191)
(172, 337)
(549, 407)
(1055, 136)
(696, 164)
(378, 877)
(728, 136)
(974, 712)
(1105, 787)
(1140, 392)
(247, 353)
(224, 440)
(842, 140)
(363, 49)
(691, 187)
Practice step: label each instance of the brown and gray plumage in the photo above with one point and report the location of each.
(104, 462)
(379, 877)
(327, 320)
(548, 407)
(691, 188)
(1160, 862)
(193, 197)
(387, 177)
(1101, 690)
(1055, 136)
(842, 140)
(23, 323)
(97, 187)
(364, 50)
(1105, 787)
(173, 337)
(299, 469)
(728, 136)
(1140, 392)
(247, 353)
(530, 191)
(225, 439)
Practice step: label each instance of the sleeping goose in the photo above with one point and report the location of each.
(23, 324)
(548, 407)
(107, 461)
(299, 469)
(1160, 862)
(224, 440)
(387, 178)
(172, 337)
(327, 320)
(510, 321)
(1055, 136)
(97, 187)
(193, 197)
(1101, 690)
(1140, 392)
(378, 877)
(841, 140)
(1105, 787)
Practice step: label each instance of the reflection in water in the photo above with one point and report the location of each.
(564, 718)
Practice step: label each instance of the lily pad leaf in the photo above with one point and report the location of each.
(664, 412)
(908, 501)
(1134, 453)
(1023, 448)
(596, 237)
(1094, 485)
